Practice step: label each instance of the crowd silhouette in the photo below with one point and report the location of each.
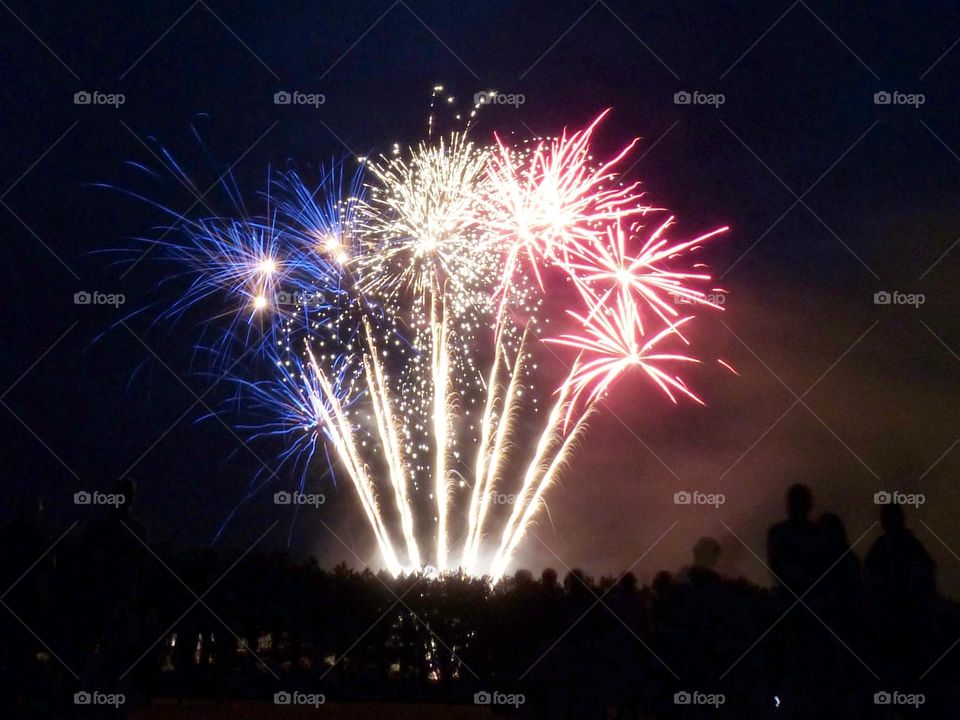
(98, 610)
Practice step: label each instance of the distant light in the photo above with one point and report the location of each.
(268, 266)
(259, 302)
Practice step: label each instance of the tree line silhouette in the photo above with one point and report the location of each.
(830, 639)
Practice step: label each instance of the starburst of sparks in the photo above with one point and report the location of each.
(403, 313)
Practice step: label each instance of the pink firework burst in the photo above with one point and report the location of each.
(552, 199)
(610, 344)
(605, 269)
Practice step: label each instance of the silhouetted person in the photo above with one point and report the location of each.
(549, 680)
(702, 616)
(898, 570)
(523, 579)
(838, 602)
(548, 578)
(619, 656)
(796, 553)
(900, 579)
(795, 547)
(706, 555)
(577, 649)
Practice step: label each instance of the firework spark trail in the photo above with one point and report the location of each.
(547, 440)
(386, 425)
(510, 540)
(419, 294)
(343, 440)
(488, 471)
(493, 425)
(486, 421)
(440, 376)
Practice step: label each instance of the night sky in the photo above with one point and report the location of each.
(831, 198)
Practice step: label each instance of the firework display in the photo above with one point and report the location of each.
(441, 326)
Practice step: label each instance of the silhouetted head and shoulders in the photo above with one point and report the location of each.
(898, 567)
(548, 579)
(799, 505)
(796, 546)
(706, 555)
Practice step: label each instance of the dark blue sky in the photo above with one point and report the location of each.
(830, 196)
